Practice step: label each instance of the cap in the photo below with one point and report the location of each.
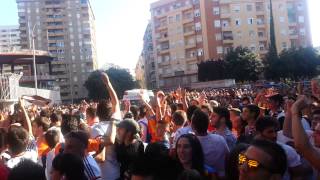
(130, 125)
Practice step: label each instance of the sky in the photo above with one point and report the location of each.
(120, 26)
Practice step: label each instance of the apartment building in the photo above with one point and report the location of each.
(9, 38)
(148, 57)
(66, 29)
(186, 32)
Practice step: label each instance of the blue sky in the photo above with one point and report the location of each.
(120, 27)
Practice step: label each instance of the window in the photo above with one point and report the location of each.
(178, 17)
(281, 19)
(283, 32)
(253, 47)
(199, 38)
(171, 20)
(284, 45)
(238, 22)
(197, 13)
(236, 8)
(75, 79)
(218, 36)
(198, 26)
(216, 11)
(250, 21)
(251, 33)
(225, 23)
(219, 49)
(217, 23)
(249, 7)
(302, 31)
(301, 19)
(239, 34)
(200, 52)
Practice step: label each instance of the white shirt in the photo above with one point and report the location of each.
(215, 150)
(31, 155)
(180, 132)
(110, 168)
(293, 159)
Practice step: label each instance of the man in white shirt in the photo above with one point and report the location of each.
(267, 130)
(215, 148)
(18, 140)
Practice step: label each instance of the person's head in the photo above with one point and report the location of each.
(316, 135)
(17, 140)
(91, 114)
(231, 166)
(235, 118)
(76, 143)
(245, 101)
(262, 160)
(179, 118)
(221, 118)
(141, 169)
(194, 102)
(315, 118)
(142, 112)
(127, 130)
(40, 125)
(27, 169)
(162, 128)
(190, 111)
(189, 152)
(206, 108)
(52, 138)
(250, 113)
(234, 113)
(104, 110)
(275, 102)
(135, 111)
(55, 119)
(266, 128)
(200, 122)
(69, 123)
(67, 166)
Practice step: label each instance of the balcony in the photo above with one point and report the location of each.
(227, 38)
(190, 45)
(191, 59)
(55, 27)
(39, 78)
(186, 20)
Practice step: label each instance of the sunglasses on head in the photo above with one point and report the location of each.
(252, 164)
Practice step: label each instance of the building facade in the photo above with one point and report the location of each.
(9, 38)
(148, 56)
(140, 72)
(66, 29)
(186, 32)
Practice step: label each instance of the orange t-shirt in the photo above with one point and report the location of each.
(43, 147)
(93, 145)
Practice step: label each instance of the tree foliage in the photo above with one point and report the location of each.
(239, 64)
(121, 80)
(293, 64)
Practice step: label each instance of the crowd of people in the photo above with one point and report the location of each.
(230, 134)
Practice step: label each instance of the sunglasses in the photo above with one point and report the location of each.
(252, 164)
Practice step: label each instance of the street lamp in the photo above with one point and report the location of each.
(34, 61)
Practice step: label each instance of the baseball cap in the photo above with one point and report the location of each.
(130, 125)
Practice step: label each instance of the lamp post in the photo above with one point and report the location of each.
(34, 61)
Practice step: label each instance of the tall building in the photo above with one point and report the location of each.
(140, 72)
(66, 29)
(9, 38)
(148, 57)
(186, 32)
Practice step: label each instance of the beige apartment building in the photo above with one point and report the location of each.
(186, 32)
(66, 29)
(9, 38)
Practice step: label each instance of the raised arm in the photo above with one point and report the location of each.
(113, 95)
(27, 121)
(148, 106)
(287, 125)
(301, 139)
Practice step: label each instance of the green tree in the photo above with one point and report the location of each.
(120, 78)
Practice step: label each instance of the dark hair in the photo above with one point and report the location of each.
(277, 98)
(142, 111)
(52, 138)
(200, 121)
(231, 166)
(92, 112)
(254, 109)
(179, 106)
(128, 115)
(104, 110)
(179, 118)
(265, 122)
(26, 169)
(135, 111)
(70, 166)
(156, 150)
(245, 99)
(191, 109)
(45, 113)
(81, 136)
(174, 108)
(69, 123)
(17, 139)
(43, 122)
(3, 138)
(197, 153)
(190, 174)
(317, 111)
(223, 113)
(275, 151)
(55, 117)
